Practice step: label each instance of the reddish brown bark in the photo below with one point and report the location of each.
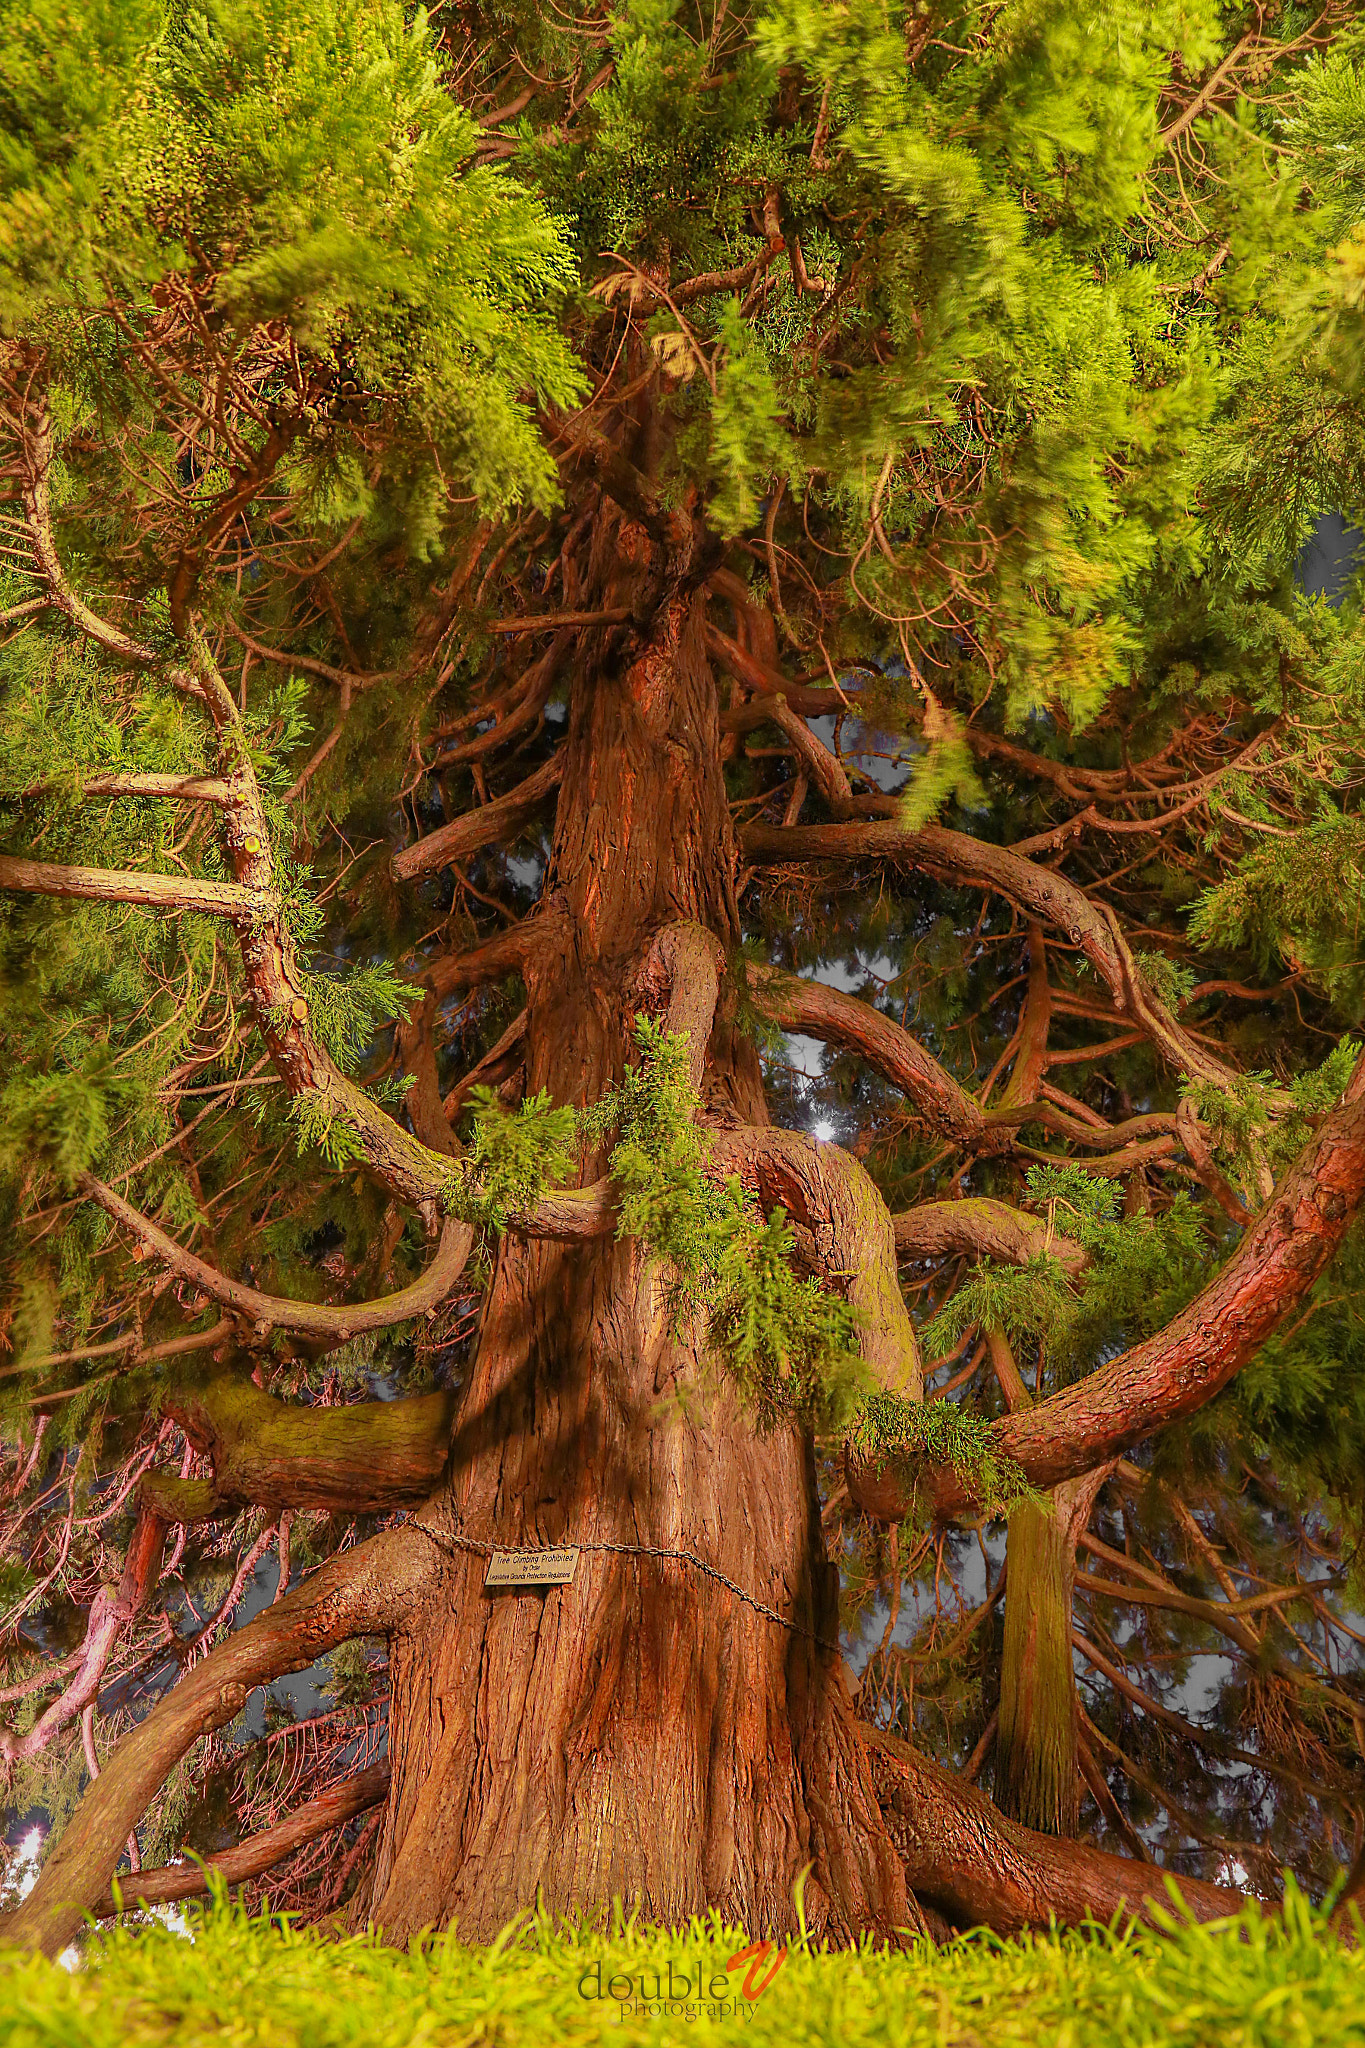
(981, 1870)
(1040, 892)
(368, 1589)
(486, 826)
(643, 1733)
(841, 1019)
(253, 1857)
(1175, 1372)
(640, 1733)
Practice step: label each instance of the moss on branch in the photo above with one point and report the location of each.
(371, 1457)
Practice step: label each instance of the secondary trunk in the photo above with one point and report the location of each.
(1037, 1779)
(642, 1733)
(1036, 1753)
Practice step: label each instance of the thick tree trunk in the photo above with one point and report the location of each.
(640, 1733)
(643, 1733)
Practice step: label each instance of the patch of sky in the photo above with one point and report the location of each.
(968, 1571)
(22, 1875)
(850, 974)
(869, 751)
(1329, 558)
(526, 869)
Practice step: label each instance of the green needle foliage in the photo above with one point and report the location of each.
(315, 163)
(791, 1345)
(513, 1158)
(934, 1433)
(1141, 1269)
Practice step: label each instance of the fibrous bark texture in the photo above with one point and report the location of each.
(1036, 1777)
(981, 1870)
(641, 1733)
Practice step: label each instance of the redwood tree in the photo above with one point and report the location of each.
(553, 557)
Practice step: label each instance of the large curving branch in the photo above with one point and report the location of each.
(843, 1228)
(364, 1591)
(1043, 895)
(253, 1857)
(271, 1311)
(484, 826)
(979, 1228)
(38, 512)
(369, 1457)
(407, 1167)
(1283, 1253)
(681, 972)
(840, 1215)
(961, 1854)
(845, 1020)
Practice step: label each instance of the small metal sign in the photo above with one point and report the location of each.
(531, 1567)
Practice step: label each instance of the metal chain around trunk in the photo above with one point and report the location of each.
(476, 1548)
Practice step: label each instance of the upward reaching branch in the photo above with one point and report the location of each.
(1039, 892)
(845, 1020)
(37, 450)
(488, 825)
(1282, 1254)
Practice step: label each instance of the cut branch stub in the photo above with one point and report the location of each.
(979, 1228)
(368, 1458)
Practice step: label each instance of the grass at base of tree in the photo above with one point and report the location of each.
(1236, 1984)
